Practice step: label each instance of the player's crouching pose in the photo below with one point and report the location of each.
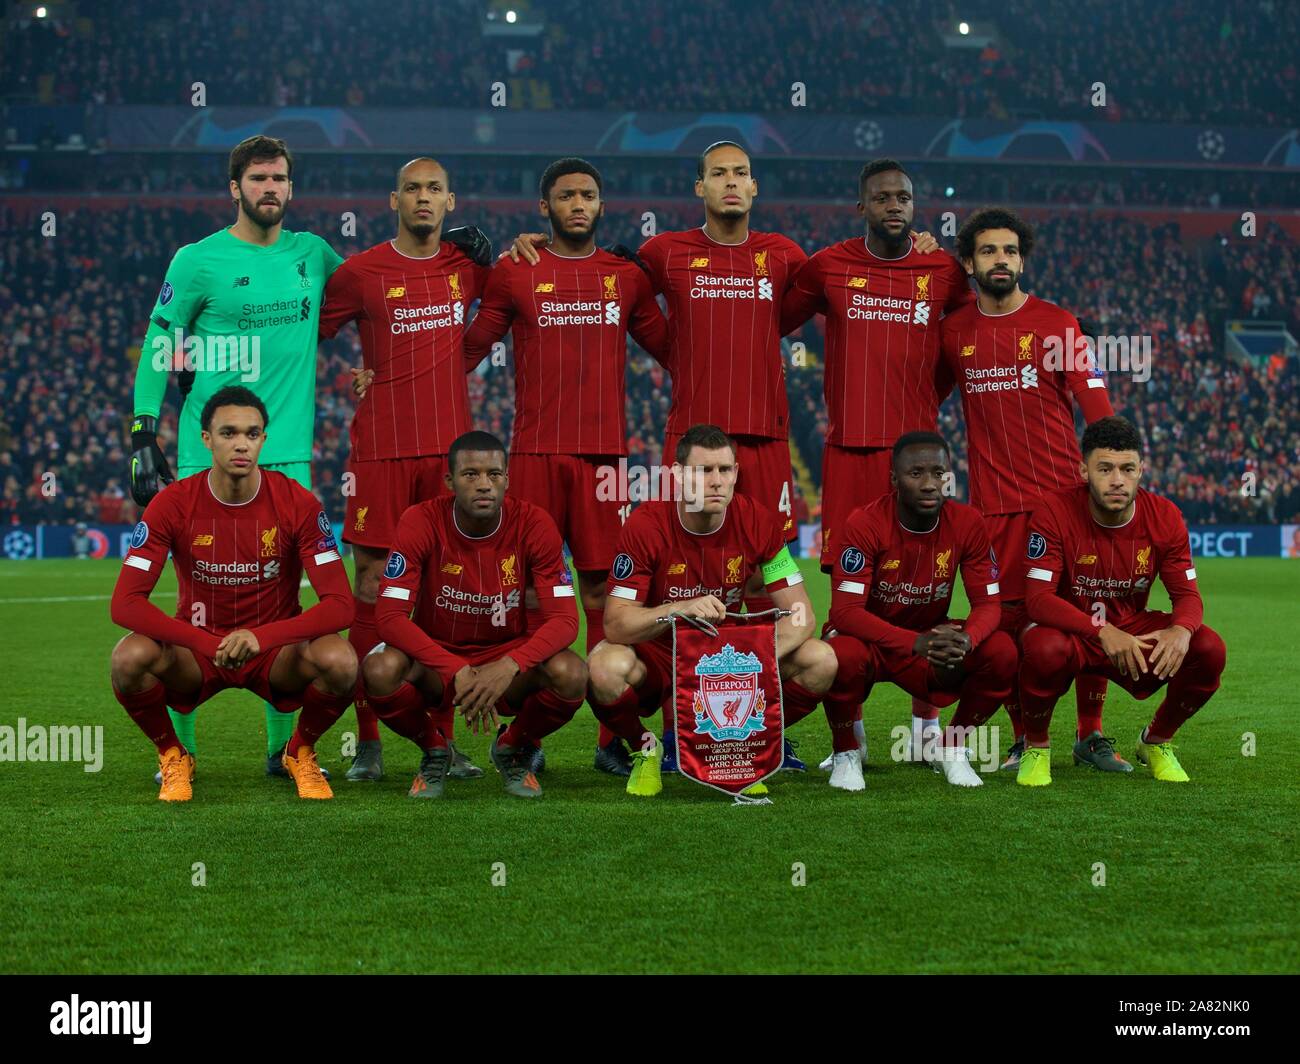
(896, 560)
(240, 538)
(1093, 553)
(464, 561)
(692, 558)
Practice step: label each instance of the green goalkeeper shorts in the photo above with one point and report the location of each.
(299, 471)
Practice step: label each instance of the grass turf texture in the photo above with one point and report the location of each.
(911, 876)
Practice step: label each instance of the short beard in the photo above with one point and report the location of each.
(574, 236)
(997, 288)
(421, 230)
(254, 215)
(889, 239)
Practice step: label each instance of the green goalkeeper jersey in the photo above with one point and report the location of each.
(241, 314)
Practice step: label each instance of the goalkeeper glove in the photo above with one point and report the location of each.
(148, 464)
(470, 239)
(625, 252)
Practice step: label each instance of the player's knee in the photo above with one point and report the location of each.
(998, 657)
(382, 672)
(1208, 650)
(608, 669)
(850, 661)
(134, 656)
(819, 666)
(1045, 654)
(567, 674)
(337, 663)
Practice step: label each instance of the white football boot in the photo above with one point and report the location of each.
(859, 733)
(846, 771)
(954, 763)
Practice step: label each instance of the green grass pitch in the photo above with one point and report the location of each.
(910, 876)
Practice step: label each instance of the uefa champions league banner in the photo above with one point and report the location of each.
(23, 542)
(730, 728)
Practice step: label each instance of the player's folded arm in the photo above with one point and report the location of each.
(1046, 606)
(559, 608)
(130, 607)
(1178, 572)
(332, 613)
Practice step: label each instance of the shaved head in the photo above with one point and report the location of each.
(418, 164)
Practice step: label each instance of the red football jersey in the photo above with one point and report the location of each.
(659, 561)
(237, 566)
(1083, 574)
(889, 583)
(468, 591)
(410, 314)
(724, 316)
(1018, 374)
(571, 319)
(882, 373)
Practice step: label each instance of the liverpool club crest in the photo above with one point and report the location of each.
(729, 703)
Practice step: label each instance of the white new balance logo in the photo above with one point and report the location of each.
(921, 314)
(1029, 376)
(764, 289)
(611, 314)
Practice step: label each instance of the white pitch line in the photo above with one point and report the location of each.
(83, 598)
(57, 598)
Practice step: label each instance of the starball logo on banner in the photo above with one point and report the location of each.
(730, 727)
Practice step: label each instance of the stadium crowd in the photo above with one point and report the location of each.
(801, 180)
(73, 311)
(1190, 62)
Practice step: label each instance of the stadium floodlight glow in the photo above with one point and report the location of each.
(41, 11)
(963, 28)
(511, 17)
(950, 192)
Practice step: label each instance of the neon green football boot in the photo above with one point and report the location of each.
(1159, 757)
(1035, 767)
(646, 779)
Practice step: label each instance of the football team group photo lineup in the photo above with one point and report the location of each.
(476, 556)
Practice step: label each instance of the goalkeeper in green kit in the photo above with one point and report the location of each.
(238, 307)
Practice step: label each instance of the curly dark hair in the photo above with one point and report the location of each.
(993, 218)
(1111, 434)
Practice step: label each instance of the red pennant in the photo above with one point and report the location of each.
(730, 728)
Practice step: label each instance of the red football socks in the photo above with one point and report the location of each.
(542, 712)
(148, 708)
(364, 637)
(320, 710)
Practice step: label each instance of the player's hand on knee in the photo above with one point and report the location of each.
(1170, 650)
(949, 645)
(1126, 652)
(236, 648)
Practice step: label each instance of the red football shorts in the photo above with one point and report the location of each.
(254, 675)
(851, 477)
(565, 486)
(481, 655)
(1086, 656)
(384, 489)
(658, 685)
(764, 475)
(867, 664)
